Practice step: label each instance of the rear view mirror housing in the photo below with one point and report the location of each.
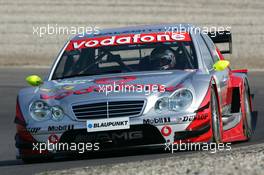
(221, 65)
(34, 80)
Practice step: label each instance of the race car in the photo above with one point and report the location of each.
(135, 87)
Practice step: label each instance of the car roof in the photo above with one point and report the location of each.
(137, 30)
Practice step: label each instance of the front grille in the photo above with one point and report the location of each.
(108, 109)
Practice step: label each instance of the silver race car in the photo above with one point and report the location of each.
(134, 87)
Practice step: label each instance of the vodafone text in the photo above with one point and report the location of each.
(128, 39)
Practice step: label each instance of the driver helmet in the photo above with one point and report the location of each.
(162, 58)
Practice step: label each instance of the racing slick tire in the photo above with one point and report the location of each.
(215, 119)
(247, 122)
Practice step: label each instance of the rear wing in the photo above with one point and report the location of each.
(222, 37)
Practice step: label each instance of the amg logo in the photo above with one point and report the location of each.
(131, 135)
(61, 128)
(126, 135)
(156, 120)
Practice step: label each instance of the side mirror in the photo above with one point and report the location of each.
(221, 65)
(34, 80)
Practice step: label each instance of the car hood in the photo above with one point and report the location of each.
(68, 92)
(78, 88)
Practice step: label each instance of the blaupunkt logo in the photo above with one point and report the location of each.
(89, 125)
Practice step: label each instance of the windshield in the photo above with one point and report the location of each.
(126, 58)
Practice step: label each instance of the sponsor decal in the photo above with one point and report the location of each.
(107, 124)
(128, 39)
(64, 94)
(60, 128)
(194, 117)
(53, 138)
(173, 88)
(166, 131)
(107, 89)
(108, 137)
(46, 89)
(67, 88)
(157, 120)
(114, 84)
(70, 82)
(116, 80)
(33, 130)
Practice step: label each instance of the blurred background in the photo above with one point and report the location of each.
(20, 46)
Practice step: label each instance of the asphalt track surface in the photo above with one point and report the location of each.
(12, 79)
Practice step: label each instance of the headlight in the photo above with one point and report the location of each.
(162, 104)
(179, 100)
(39, 110)
(57, 113)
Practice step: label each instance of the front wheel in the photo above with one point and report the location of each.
(215, 117)
(248, 115)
